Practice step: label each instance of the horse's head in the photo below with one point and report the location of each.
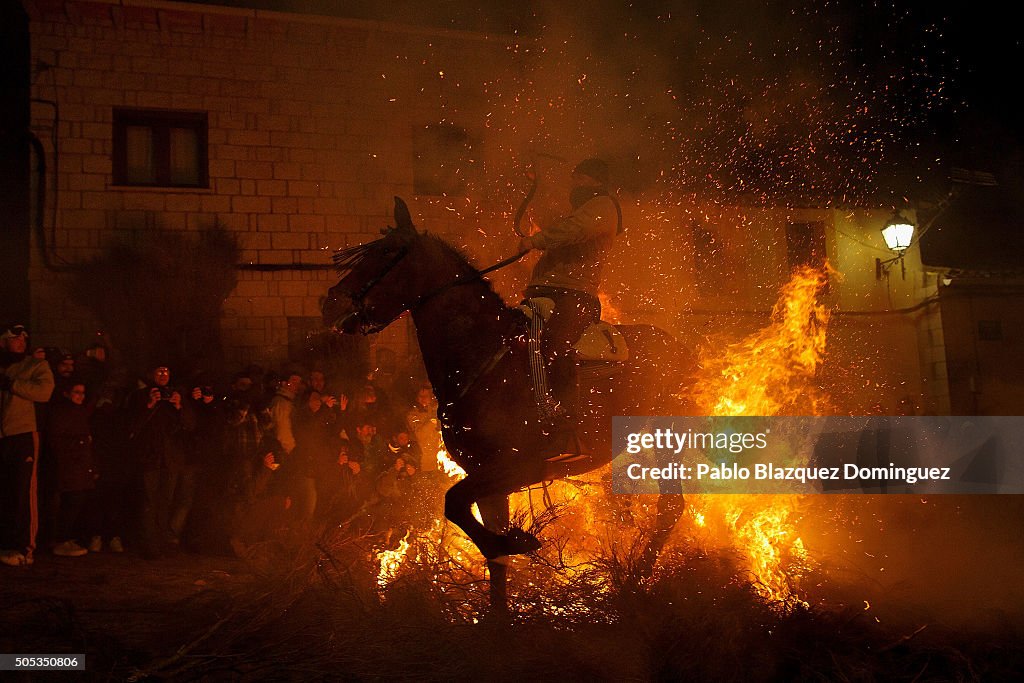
(378, 283)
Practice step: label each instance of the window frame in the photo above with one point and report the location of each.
(160, 122)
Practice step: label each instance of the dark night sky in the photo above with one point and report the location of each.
(979, 47)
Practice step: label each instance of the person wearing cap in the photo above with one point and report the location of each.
(24, 381)
(575, 248)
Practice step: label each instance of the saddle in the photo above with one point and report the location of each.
(600, 346)
(602, 341)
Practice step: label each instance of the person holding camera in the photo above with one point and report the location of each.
(159, 423)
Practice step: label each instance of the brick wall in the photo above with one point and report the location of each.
(310, 136)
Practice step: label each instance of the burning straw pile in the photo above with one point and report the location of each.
(327, 616)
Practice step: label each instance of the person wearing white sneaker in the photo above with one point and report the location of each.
(12, 558)
(115, 545)
(69, 549)
(24, 381)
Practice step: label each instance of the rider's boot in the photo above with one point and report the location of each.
(564, 386)
(565, 390)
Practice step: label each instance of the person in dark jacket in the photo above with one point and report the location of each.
(263, 511)
(69, 436)
(368, 448)
(159, 419)
(315, 425)
(201, 455)
(391, 505)
(341, 491)
(113, 459)
(92, 368)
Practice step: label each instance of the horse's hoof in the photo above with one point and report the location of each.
(519, 542)
(515, 542)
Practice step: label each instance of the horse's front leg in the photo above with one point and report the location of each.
(458, 508)
(494, 512)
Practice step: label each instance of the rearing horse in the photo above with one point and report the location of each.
(476, 359)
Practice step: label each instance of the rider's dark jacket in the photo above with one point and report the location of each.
(576, 247)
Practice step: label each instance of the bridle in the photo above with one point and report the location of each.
(374, 281)
(358, 299)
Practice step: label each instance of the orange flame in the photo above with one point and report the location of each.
(771, 372)
(449, 466)
(390, 561)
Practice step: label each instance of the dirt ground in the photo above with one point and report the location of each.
(927, 596)
(119, 608)
(130, 615)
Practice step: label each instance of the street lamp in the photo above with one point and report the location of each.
(898, 234)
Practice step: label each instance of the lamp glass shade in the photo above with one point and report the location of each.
(898, 234)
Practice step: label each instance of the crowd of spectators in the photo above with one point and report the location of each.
(94, 460)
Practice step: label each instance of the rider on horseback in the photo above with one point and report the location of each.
(575, 250)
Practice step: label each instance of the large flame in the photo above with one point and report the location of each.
(771, 372)
(390, 561)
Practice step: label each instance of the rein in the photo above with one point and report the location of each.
(456, 282)
(521, 211)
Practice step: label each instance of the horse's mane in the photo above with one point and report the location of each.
(349, 258)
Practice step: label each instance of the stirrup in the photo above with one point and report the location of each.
(569, 445)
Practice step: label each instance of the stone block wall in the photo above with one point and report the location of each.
(311, 125)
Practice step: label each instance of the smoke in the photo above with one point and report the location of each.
(945, 561)
(700, 109)
(708, 105)
(795, 101)
(704, 106)
(744, 101)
